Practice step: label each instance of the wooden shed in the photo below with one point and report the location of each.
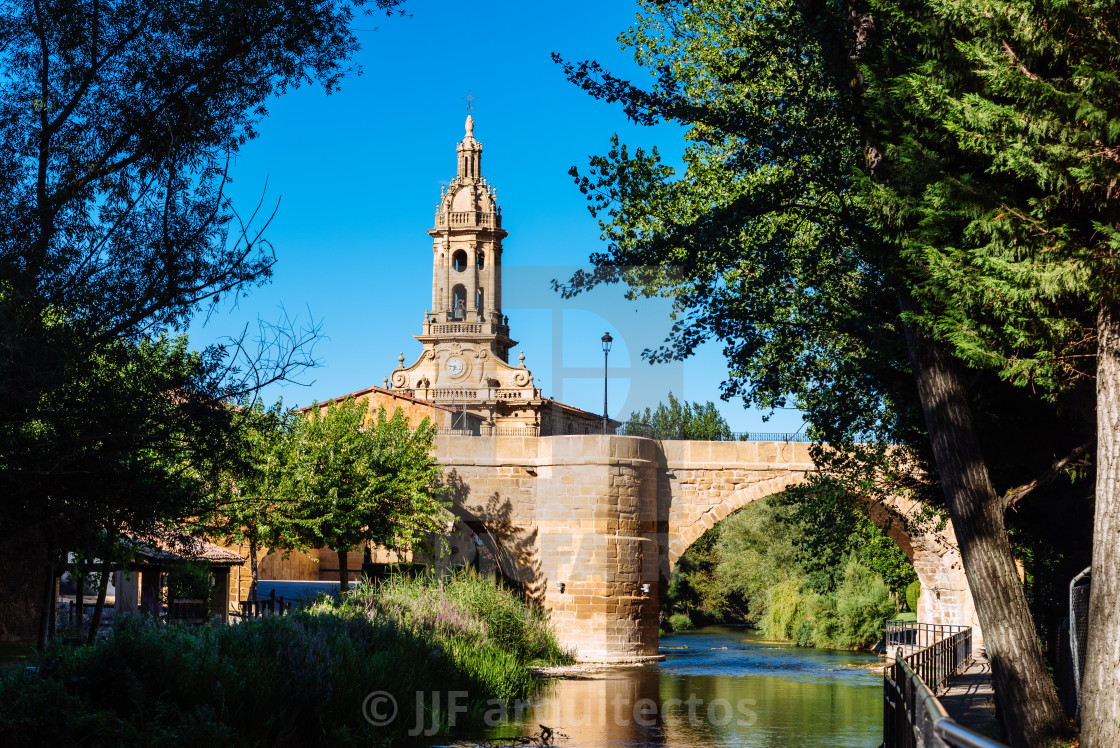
(141, 584)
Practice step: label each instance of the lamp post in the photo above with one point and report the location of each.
(607, 340)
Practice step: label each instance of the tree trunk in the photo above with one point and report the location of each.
(102, 589)
(48, 600)
(253, 566)
(52, 625)
(1100, 698)
(79, 595)
(343, 575)
(1026, 696)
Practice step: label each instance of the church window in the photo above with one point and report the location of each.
(481, 260)
(459, 260)
(478, 298)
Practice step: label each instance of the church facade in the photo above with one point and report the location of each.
(465, 362)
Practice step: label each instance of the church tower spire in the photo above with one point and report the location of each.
(470, 154)
(467, 256)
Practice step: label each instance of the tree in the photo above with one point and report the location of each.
(253, 503)
(769, 241)
(1006, 188)
(361, 477)
(679, 420)
(118, 121)
(832, 523)
(139, 443)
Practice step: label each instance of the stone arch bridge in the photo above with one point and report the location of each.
(591, 526)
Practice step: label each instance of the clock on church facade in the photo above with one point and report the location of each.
(465, 361)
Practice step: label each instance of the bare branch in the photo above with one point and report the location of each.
(1015, 495)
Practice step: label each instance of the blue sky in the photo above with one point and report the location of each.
(355, 178)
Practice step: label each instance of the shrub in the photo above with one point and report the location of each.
(913, 592)
(851, 617)
(783, 611)
(863, 603)
(464, 606)
(680, 622)
(291, 680)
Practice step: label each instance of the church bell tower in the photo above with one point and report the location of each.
(467, 258)
(465, 362)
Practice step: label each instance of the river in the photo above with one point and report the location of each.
(718, 686)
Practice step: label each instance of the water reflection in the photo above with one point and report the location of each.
(725, 686)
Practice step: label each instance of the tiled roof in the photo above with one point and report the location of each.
(574, 409)
(369, 390)
(187, 549)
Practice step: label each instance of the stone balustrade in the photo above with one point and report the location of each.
(469, 219)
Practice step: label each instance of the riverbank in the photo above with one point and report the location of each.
(345, 674)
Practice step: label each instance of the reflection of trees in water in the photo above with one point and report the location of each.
(725, 688)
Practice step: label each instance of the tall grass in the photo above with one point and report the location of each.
(300, 679)
(485, 630)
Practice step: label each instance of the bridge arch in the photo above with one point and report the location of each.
(691, 528)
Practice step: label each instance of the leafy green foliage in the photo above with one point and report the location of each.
(279, 680)
(873, 195)
(190, 581)
(464, 606)
(758, 242)
(680, 622)
(679, 420)
(360, 476)
(863, 603)
(755, 566)
(758, 549)
(253, 503)
(834, 524)
(693, 584)
(1012, 223)
(913, 592)
(140, 437)
(118, 121)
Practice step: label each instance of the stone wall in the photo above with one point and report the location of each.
(572, 520)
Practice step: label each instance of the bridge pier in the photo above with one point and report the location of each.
(598, 544)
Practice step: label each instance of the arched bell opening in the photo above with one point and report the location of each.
(458, 303)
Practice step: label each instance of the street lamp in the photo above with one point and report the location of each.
(607, 340)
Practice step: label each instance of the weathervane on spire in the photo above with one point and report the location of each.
(470, 101)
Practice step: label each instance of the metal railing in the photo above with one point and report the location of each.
(913, 636)
(646, 430)
(472, 395)
(940, 662)
(912, 715)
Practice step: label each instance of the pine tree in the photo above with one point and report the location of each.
(1005, 190)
